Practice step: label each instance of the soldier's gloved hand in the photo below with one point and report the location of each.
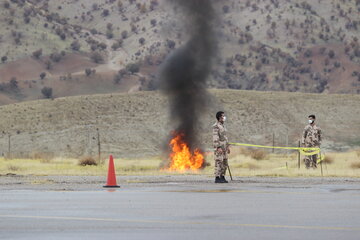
(219, 150)
(228, 150)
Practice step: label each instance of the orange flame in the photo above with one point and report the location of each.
(181, 157)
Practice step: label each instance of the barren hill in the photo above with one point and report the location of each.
(137, 124)
(80, 47)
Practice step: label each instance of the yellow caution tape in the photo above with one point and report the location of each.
(303, 150)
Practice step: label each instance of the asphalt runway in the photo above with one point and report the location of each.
(184, 210)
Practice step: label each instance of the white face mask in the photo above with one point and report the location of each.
(311, 121)
(224, 118)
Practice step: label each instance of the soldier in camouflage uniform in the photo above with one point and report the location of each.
(311, 138)
(221, 148)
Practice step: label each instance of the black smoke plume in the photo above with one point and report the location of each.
(184, 73)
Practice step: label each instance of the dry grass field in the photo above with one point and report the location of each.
(335, 164)
(137, 125)
(242, 162)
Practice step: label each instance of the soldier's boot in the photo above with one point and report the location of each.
(314, 163)
(218, 180)
(223, 180)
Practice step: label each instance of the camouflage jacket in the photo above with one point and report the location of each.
(311, 136)
(219, 136)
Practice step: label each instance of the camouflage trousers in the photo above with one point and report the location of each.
(310, 161)
(221, 164)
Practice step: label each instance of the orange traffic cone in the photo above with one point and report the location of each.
(111, 178)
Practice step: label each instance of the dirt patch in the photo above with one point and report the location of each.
(23, 69)
(72, 63)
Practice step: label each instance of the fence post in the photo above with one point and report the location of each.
(299, 157)
(287, 140)
(99, 145)
(321, 165)
(273, 136)
(9, 147)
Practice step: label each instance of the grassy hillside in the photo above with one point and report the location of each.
(137, 124)
(292, 45)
